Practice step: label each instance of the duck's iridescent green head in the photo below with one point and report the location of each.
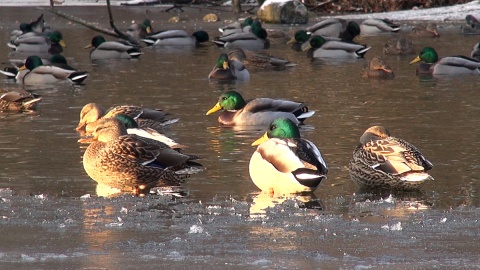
(58, 59)
(353, 28)
(25, 27)
(127, 121)
(231, 100)
(248, 21)
(32, 62)
(222, 62)
(201, 36)
(317, 42)
(56, 38)
(258, 31)
(96, 41)
(300, 36)
(427, 55)
(147, 26)
(282, 128)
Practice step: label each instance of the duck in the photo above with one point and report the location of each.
(300, 40)
(112, 49)
(256, 39)
(381, 161)
(145, 117)
(139, 31)
(336, 28)
(258, 61)
(475, 54)
(34, 72)
(398, 46)
(131, 163)
(258, 111)
(378, 69)
(32, 42)
(229, 70)
(285, 163)
(237, 27)
(450, 65)
(176, 38)
(378, 26)
(321, 48)
(428, 30)
(132, 128)
(471, 26)
(37, 26)
(57, 60)
(19, 101)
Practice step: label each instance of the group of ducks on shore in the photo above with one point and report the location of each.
(128, 152)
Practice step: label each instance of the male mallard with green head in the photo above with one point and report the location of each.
(285, 163)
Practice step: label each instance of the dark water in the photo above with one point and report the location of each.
(222, 222)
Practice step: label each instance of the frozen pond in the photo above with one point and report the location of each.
(52, 218)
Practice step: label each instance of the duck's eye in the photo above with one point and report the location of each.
(224, 98)
(272, 127)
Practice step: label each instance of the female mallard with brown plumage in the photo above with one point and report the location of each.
(132, 163)
(257, 112)
(378, 69)
(398, 46)
(285, 163)
(145, 117)
(19, 100)
(384, 162)
(258, 61)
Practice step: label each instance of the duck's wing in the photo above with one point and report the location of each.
(392, 156)
(277, 105)
(459, 61)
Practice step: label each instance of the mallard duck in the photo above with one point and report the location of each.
(475, 54)
(112, 49)
(176, 38)
(398, 46)
(33, 42)
(321, 48)
(337, 28)
(378, 26)
(256, 39)
(300, 40)
(382, 161)
(285, 163)
(19, 100)
(145, 117)
(428, 30)
(37, 26)
(132, 128)
(56, 60)
(35, 73)
(228, 70)
(258, 61)
(471, 26)
(377, 69)
(237, 27)
(449, 65)
(256, 112)
(132, 163)
(139, 31)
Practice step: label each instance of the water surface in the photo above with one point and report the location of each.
(222, 221)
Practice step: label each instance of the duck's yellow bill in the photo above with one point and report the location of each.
(62, 43)
(215, 108)
(22, 68)
(261, 140)
(416, 60)
(225, 65)
(88, 46)
(307, 47)
(149, 30)
(86, 139)
(291, 41)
